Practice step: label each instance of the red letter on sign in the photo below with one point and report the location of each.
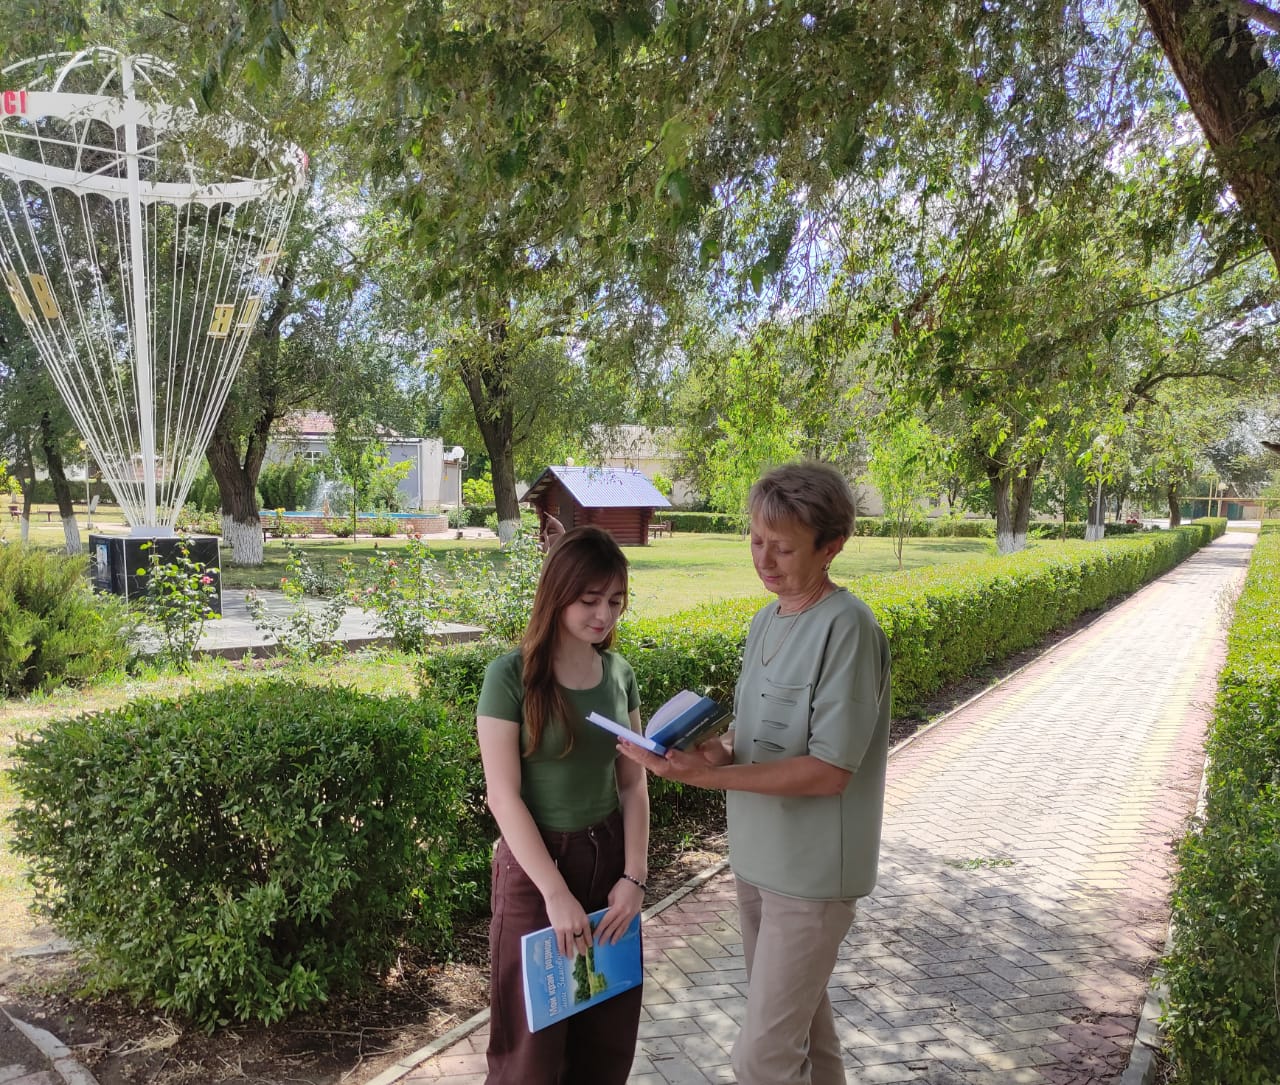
(10, 101)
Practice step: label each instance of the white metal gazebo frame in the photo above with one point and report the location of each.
(94, 164)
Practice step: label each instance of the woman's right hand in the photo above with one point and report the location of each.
(569, 919)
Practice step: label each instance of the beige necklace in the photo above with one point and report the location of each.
(767, 657)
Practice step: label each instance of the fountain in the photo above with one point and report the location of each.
(138, 269)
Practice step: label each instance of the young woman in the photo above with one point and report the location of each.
(574, 817)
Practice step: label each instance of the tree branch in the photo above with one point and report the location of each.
(1258, 13)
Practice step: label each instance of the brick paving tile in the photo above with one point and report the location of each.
(1024, 873)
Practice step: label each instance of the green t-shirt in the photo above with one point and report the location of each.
(565, 793)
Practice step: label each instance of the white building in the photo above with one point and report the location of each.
(433, 481)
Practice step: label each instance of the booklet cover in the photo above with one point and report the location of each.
(555, 987)
(680, 723)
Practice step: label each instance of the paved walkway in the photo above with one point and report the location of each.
(235, 635)
(1023, 879)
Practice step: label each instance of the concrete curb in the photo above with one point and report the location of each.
(58, 1054)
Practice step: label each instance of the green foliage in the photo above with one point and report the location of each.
(662, 484)
(339, 526)
(382, 527)
(1222, 1016)
(905, 460)
(288, 485)
(178, 601)
(204, 495)
(194, 522)
(407, 592)
(497, 596)
(478, 491)
(754, 428)
(706, 522)
(459, 516)
(302, 630)
(53, 628)
(242, 854)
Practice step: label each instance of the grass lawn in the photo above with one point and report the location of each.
(668, 575)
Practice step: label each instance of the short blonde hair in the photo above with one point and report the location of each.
(811, 493)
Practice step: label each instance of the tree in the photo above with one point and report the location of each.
(1223, 53)
(905, 457)
(35, 428)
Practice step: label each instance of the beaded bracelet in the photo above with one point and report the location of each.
(636, 881)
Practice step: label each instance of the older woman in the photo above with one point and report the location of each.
(804, 769)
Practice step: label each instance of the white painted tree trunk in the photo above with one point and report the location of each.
(245, 541)
(1094, 532)
(1010, 542)
(71, 532)
(507, 530)
(25, 532)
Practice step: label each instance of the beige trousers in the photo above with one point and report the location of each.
(790, 944)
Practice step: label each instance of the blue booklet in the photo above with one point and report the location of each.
(684, 721)
(556, 987)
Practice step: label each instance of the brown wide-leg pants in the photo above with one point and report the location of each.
(594, 1047)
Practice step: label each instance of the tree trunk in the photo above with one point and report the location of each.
(61, 488)
(488, 385)
(1175, 510)
(237, 480)
(1012, 498)
(1221, 66)
(28, 495)
(1097, 525)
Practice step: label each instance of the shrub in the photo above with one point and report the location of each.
(701, 522)
(193, 522)
(459, 516)
(178, 601)
(382, 527)
(407, 592)
(943, 623)
(1221, 1016)
(289, 484)
(304, 630)
(53, 628)
(497, 596)
(339, 526)
(242, 854)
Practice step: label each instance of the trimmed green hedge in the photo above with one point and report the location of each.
(943, 623)
(1270, 527)
(698, 522)
(879, 527)
(243, 853)
(1222, 1017)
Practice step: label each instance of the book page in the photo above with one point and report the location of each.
(626, 733)
(683, 700)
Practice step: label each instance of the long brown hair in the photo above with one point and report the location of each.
(582, 559)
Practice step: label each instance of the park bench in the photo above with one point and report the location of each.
(14, 512)
(659, 527)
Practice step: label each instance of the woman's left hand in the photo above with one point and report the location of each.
(625, 901)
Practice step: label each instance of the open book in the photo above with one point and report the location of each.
(556, 986)
(682, 722)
